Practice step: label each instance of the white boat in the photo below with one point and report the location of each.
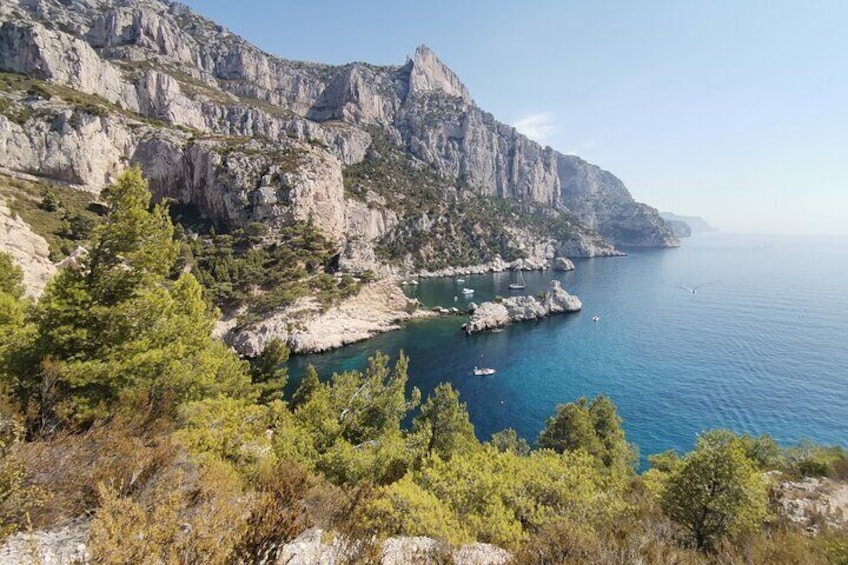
(483, 371)
(413, 282)
(520, 284)
(460, 281)
(595, 318)
(467, 291)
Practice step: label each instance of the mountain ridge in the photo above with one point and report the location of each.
(396, 166)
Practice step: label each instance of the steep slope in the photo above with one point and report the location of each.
(395, 166)
(166, 63)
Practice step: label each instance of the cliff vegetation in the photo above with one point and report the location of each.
(118, 405)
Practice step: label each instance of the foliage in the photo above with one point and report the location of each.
(190, 522)
(308, 385)
(119, 328)
(715, 491)
(236, 269)
(277, 513)
(354, 421)
(592, 427)
(501, 497)
(443, 428)
(11, 276)
(809, 460)
(70, 222)
(230, 429)
(268, 371)
(405, 508)
(508, 440)
(17, 498)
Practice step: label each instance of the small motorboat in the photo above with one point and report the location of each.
(460, 281)
(413, 282)
(483, 371)
(595, 318)
(520, 284)
(467, 291)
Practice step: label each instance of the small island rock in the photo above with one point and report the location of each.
(489, 315)
(563, 264)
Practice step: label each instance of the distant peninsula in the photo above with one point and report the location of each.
(684, 226)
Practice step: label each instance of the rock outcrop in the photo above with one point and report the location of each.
(313, 546)
(379, 307)
(563, 264)
(28, 249)
(57, 546)
(68, 544)
(166, 63)
(496, 314)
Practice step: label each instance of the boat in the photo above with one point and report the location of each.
(595, 318)
(519, 285)
(483, 371)
(460, 281)
(413, 282)
(468, 291)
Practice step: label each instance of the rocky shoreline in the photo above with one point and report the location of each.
(381, 306)
(499, 313)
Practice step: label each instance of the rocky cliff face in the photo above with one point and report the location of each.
(28, 249)
(395, 164)
(160, 61)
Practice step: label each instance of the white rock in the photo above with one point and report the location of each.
(28, 249)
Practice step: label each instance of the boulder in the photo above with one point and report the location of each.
(563, 264)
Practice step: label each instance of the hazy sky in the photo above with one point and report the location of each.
(735, 110)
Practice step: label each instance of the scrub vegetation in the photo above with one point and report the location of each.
(117, 403)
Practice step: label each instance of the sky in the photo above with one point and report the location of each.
(733, 110)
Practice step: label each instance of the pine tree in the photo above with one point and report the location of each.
(119, 328)
(443, 427)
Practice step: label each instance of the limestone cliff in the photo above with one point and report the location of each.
(396, 165)
(163, 62)
(28, 249)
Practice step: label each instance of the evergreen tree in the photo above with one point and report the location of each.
(593, 427)
(308, 385)
(443, 427)
(268, 372)
(118, 327)
(508, 441)
(11, 277)
(715, 491)
(617, 452)
(570, 429)
(16, 333)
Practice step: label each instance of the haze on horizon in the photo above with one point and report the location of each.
(735, 112)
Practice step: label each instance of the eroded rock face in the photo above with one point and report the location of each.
(563, 264)
(28, 249)
(490, 315)
(168, 63)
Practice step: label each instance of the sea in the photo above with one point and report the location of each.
(759, 347)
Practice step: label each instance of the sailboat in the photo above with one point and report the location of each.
(520, 284)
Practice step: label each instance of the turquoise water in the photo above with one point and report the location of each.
(759, 348)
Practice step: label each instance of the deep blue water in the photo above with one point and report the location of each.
(761, 347)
